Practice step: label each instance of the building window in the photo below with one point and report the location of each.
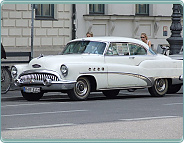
(181, 9)
(142, 9)
(44, 11)
(96, 8)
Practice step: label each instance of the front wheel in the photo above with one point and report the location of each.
(81, 90)
(5, 80)
(159, 88)
(32, 96)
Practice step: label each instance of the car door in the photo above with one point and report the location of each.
(139, 53)
(122, 69)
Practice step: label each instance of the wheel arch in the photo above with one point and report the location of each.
(169, 81)
(92, 81)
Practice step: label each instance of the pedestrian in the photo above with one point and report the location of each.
(3, 53)
(89, 34)
(144, 38)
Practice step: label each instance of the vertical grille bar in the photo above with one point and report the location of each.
(39, 77)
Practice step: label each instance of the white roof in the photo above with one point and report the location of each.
(113, 39)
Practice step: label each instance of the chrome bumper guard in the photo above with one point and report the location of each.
(177, 80)
(181, 77)
(47, 84)
(45, 79)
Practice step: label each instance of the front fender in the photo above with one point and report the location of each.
(21, 68)
(96, 70)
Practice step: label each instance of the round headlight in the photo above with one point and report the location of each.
(64, 70)
(14, 72)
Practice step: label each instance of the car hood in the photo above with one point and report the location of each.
(52, 62)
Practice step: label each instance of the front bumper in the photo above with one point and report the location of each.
(177, 80)
(181, 78)
(45, 79)
(47, 85)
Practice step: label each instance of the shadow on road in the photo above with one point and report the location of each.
(61, 97)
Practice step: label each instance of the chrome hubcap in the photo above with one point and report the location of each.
(160, 85)
(81, 88)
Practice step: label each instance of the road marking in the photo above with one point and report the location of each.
(43, 126)
(148, 118)
(40, 113)
(29, 104)
(174, 104)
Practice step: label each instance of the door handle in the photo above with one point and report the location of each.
(131, 57)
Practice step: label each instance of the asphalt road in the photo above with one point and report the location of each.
(132, 115)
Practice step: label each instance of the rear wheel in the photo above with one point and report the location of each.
(159, 88)
(81, 89)
(111, 93)
(174, 88)
(32, 96)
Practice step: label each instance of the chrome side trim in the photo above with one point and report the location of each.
(123, 88)
(148, 80)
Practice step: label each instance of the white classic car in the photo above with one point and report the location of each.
(106, 64)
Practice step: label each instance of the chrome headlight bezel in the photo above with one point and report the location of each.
(14, 72)
(64, 70)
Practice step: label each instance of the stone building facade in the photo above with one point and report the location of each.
(126, 20)
(50, 35)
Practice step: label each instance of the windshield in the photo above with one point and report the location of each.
(81, 47)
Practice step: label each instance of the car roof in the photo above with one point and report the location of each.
(112, 39)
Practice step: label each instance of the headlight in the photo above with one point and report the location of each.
(14, 72)
(64, 70)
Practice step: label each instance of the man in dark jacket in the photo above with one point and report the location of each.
(3, 53)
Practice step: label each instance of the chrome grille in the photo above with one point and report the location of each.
(39, 77)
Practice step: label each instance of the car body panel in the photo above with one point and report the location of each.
(108, 71)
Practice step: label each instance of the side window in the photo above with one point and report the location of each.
(137, 50)
(118, 49)
(123, 49)
(112, 49)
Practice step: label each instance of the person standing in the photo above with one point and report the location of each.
(144, 38)
(89, 34)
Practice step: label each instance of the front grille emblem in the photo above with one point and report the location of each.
(36, 66)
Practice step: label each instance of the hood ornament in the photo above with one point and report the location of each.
(41, 55)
